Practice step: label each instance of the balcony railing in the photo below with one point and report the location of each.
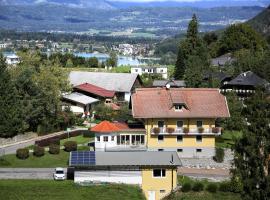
(186, 131)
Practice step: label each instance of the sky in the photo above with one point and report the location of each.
(173, 0)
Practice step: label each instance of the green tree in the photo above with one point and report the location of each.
(252, 151)
(12, 117)
(241, 36)
(92, 62)
(193, 74)
(69, 63)
(180, 67)
(112, 61)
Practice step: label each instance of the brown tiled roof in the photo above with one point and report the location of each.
(93, 89)
(158, 103)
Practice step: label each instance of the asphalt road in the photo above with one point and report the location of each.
(26, 173)
(12, 148)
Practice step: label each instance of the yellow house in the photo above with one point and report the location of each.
(180, 119)
(154, 172)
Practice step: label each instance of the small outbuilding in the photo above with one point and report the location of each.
(154, 172)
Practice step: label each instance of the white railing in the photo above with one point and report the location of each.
(185, 131)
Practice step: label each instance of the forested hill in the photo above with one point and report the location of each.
(261, 22)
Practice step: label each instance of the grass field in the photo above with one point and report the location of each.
(48, 160)
(66, 190)
(79, 139)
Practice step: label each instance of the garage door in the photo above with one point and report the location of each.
(127, 177)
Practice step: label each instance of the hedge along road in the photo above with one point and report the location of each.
(27, 173)
(11, 149)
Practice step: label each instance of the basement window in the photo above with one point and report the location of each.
(160, 149)
(198, 150)
(161, 138)
(162, 191)
(159, 173)
(179, 150)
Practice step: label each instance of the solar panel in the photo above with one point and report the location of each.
(82, 158)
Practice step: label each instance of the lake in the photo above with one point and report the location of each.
(122, 60)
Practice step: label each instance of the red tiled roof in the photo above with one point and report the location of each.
(106, 127)
(158, 103)
(93, 89)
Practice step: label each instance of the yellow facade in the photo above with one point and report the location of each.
(160, 186)
(170, 141)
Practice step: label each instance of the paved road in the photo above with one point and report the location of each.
(26, 173)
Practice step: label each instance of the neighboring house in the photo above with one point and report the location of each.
(79, 103)
(245, 84)
(223, 60)
(162, 70)
(123, 84)
(172, 83)
(221, 77)
(116, 136)
(12, 60)
(154, 172)
(180, 119)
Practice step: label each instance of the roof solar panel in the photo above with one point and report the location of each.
(82, 158)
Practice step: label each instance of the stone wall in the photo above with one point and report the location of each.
(17, 138)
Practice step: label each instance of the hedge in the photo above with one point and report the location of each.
(197, 187)
(212, 187)
(39, 151)
(22, 153)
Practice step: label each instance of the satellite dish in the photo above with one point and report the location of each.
(168, 86)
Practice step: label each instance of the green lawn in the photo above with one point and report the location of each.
(227, 139)
(79, 139)
(66, 190)
(48, 160)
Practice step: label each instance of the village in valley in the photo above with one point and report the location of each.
(115, 120)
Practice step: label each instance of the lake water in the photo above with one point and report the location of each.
(122, 60)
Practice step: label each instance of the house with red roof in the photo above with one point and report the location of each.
(180, 119)
(118, 136)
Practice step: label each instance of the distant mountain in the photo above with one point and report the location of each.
(196, 4)
(96, 4)
(261, 22)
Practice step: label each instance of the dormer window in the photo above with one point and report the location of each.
(178, 107)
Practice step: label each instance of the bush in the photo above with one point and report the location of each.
(54, 149)
(39, 151)
(22, 153)
(211, 187)
(236, 185)
(219, 157)
(197, 187)
(186, 187)
(225, 187)
(70, 146)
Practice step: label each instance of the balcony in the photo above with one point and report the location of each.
(186, 131)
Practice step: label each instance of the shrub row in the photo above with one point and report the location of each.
(39, 151)
(22, 153)
(228, 186)
(70, 146)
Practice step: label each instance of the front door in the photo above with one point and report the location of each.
(151, 195)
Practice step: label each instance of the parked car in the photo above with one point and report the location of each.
(59, 174)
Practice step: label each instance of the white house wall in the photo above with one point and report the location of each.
(127, 96)
(126, 177)
(101, 145)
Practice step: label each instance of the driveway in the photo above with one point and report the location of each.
(27, 173)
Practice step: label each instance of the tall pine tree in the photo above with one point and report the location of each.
(180, 67)
(252, 151)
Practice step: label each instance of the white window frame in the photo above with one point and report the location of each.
(161, 174)
(105, 137)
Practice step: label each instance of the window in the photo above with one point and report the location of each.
(160, 138)
(160, 149)
(160, 124)
(199, 123)
(118, 139)
(179, 124)
(105, 138)
(162, 191)
(112, 138)
(178, 107)
(159, 172)
(198, 150)
(198, 138)
(98, 138)
(142, 139)
(136, 70)
(180, 150)
(179, 138)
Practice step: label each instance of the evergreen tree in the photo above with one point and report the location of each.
(69, 63)
(252, 151)
(11, 117)
(180, 67)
